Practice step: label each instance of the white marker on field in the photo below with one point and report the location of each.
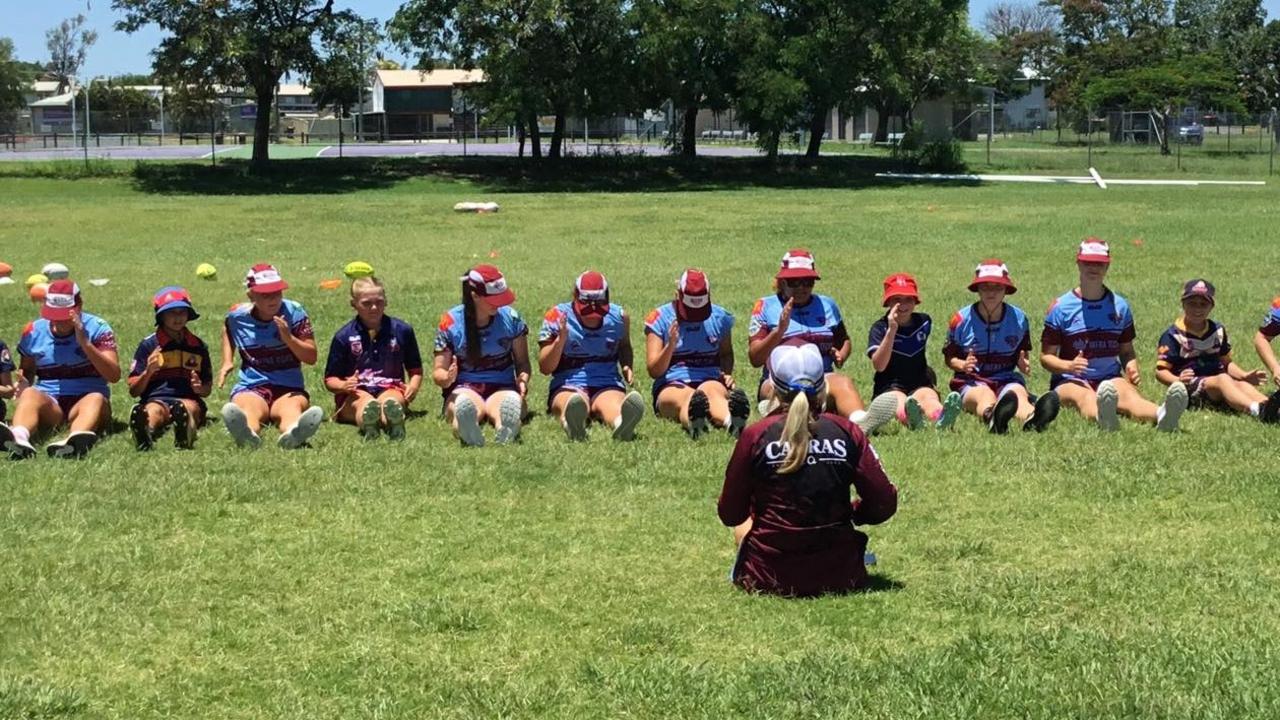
(326, 147)
(1098, 179)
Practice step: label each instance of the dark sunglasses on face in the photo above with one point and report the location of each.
(803, 283)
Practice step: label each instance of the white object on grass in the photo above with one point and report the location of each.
(1058, 179)
(6, 281)
(99, 282)
(1098, 179)
(476, 207)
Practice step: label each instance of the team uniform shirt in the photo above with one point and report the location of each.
(817, 322)
(264, 358)
(379, 359)
(62, 369)
(802, 540)
(1096, 328)
(996, 345)
(1271, 323)
(590, 355)
(497, 363)
(908, 369)
(1207, 354)
(697, 355)
(6, 366)
(179, 358)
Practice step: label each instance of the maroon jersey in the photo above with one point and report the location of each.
(802, 540)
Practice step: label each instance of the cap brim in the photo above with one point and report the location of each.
(1206, 296)
(1105, 260)
(269, 288)
(885, 301)
(797, 274)
(191, 311)
(502, 299)
(1009, 287)
(52, 313)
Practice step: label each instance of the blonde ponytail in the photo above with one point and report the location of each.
(796, 433)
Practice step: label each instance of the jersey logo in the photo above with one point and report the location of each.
(955, 321)
(356, 345)
(1275, 304)
(1052, 306)
(446, 321)
(553, 315)
(759, 306)
(652, 317)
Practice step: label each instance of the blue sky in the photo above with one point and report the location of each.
(116, 52)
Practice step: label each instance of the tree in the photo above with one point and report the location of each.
(68, 45)
(232, 42)
(13, 85)
(1023, 37)
(340, 77)
(119, 109)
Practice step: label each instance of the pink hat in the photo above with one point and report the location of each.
(487, 282)
(900, 285)
(60, 300)
(693, 293)
(591, 294)
(992, 272)
(797, 264)
(1094, 250)
(264, 279)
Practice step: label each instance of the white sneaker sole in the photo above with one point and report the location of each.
(467, 417)
(575, 418)
(1108, 405)
(632, 414)
(883, 409)
(237, 425)
(305, 429)
(1175, 402)
(509, 414)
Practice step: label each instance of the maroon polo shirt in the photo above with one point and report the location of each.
(802, 541)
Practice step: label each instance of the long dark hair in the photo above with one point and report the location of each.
(469, 324)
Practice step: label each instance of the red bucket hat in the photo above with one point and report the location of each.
(487, 282)
(900, 285)
(798, 264)
(591, 295)
(992, 272)
(264, 279)
(60, 300)
(693, 296)
(1094, 250)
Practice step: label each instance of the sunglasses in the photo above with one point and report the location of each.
(802, 283)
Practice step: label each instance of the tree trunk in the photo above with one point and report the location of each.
(817, 126)
(535, 137)
(689, 132)
(882, 123)
(772, 138)
(557, 136)
(520, 137)
(1164, 135)
(262, 128)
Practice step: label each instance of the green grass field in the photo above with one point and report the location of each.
(1066, 575)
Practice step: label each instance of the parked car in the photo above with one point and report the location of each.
(1192, 134)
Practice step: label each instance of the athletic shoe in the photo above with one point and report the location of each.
(371, 420)
(1108, 403)
(575, 418)
(303, 430)
(739, 411)
(1270, 411)
(951, 408)
(883, 409)
(72, 447)
(699, 414)
(395, 418)
(510, 413)
(632, 414)
(184, 430)
(1047, 406)
(237, 425)
(1005, 410)
(17, 449)
(466, 415)
(1175, 402)
(138, 425)
(915, 414)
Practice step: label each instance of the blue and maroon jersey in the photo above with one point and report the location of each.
(6, 366)
(62, 369)
(497, 363)
(179, 358)
(996, 345)
(1271, 323)
(818, 322)
(1096, 328)
(1207, 354)
(590, 356)
(264, 358)
(379, 358)
(697, 355)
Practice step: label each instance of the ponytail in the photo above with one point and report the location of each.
(798, 430)
(469, 325)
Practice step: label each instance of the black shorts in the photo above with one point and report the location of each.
(904, 383)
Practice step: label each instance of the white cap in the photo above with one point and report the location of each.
(55, 271)
(797, 368)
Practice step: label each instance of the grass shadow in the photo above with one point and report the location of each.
(877, 583)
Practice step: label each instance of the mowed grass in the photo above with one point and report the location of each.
(1070, 574)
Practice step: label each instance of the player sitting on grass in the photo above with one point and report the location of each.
(689, 355)
(1196, 352)
(68, 362)
(585, 346)
(1262, 341)
(1087, 343)
(787, 488)
(987, 347)
(482, 359)
(896, 346)
(795, 313)
(171, 374)
(274, 338)
(7, 388)
(369, 358)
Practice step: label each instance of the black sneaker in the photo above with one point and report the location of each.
(17, 450)
(184, 433)
(1270, 413)
(1005, 410)
(1047, 406)
(739, 411)
(142, 438)
(699, 414)
(72, 447)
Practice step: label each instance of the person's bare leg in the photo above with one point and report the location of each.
(194, 411)
(1080, 397)
(36, 410)
(1025, 408)
(1131, 403)
(607, 406)
(157, 416)
(256, 411)
(843, 394)
(673, 403)
(1235, 393)
(286, 410)
(740, 531)
(978, 399)
(718, 398)
(91, 413)
(929, 401)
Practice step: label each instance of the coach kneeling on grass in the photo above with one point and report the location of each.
(786, 490)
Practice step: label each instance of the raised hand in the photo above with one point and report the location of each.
(282, 326)
(1080, 364)
(155, 361)
(673, 334)
(971, 362)
(893, 318)
(1133, 373)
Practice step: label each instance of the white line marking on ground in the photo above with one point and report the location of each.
(1060, 179)
(209, 154)
(1098, 179)
(326, 147)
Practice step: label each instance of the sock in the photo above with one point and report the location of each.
(857, 416)
(1160, 413)
(617, 421)
(1255, 409)
(726, 423)
(20, 434)
(933, 416)
(902, 414)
